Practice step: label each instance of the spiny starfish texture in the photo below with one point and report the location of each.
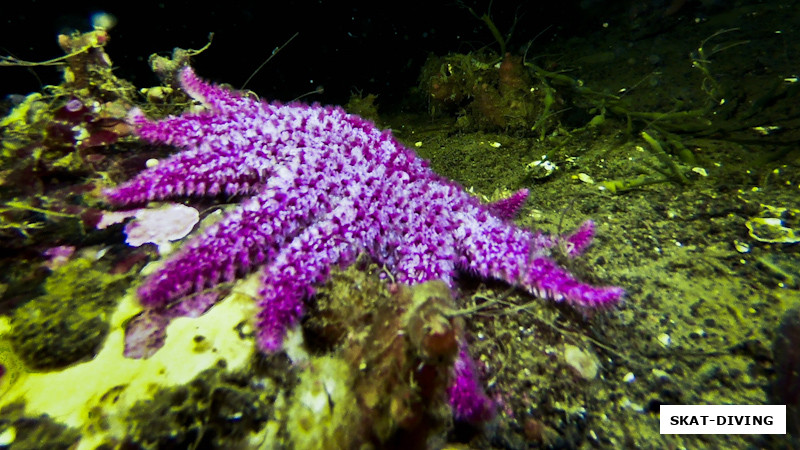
(323, 186)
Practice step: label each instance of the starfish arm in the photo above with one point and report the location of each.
(186, 130)
(508, 208)
(545, 278)
(215, 97)
(250, 235)
(467, 398)
(580, 239)
(193, 172)
(496, 249)
(301, 265)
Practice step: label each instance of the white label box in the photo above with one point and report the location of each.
(723, 419)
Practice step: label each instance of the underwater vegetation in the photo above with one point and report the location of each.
(56, 148)
(488, 95)
(486, 91)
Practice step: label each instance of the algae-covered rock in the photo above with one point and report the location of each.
(323, 412)
(69, 322)
(96, 396)
(399, 343)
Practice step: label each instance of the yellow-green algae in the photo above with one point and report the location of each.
(69, 322)
(95, 396)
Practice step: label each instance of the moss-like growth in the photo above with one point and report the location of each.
(70, 321)
(340, 307)
(215, 410)
(363, 105)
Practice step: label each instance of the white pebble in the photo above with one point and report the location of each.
(629, 377)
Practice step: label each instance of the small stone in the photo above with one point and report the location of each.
(741, 247)
(664, 339)
(581, 361)
(629, 377)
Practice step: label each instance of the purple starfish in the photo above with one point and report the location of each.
(321, 187)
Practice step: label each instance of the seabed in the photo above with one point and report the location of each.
(697, 213)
